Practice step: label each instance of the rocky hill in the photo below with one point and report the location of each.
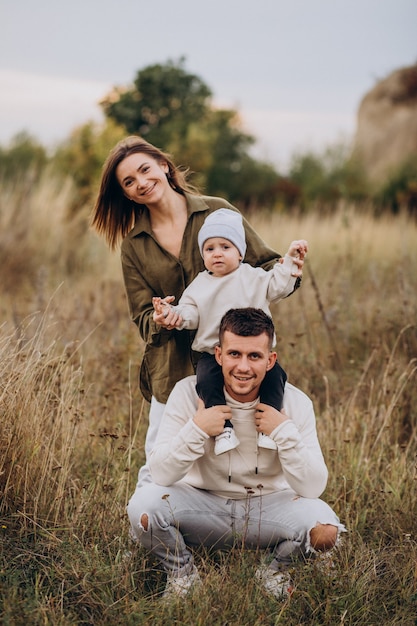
(387, 124)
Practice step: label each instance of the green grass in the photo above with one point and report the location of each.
(72, 427)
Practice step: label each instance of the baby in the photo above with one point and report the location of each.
(229, 283)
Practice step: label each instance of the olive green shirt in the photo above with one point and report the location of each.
(149, 270)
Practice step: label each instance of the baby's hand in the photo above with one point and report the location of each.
(157, 306)
(298, 249)
(161, 307)
(164, 314)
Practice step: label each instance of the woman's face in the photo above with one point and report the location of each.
(143, 178)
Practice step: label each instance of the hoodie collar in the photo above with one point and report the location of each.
(234, 404)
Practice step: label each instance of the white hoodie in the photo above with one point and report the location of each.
(183, 452)
(208, 297)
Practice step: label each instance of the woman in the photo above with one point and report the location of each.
(146, 202)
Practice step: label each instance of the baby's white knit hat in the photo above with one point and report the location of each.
(223, 223)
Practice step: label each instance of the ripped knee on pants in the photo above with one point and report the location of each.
(323, 537)
(144, 521)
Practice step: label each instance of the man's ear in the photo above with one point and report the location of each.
(272, 359)
(218, 354)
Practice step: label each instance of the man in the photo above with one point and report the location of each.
(264, 498)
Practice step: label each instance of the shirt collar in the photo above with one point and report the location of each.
(195, 204)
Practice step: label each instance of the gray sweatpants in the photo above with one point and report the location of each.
(181, 516)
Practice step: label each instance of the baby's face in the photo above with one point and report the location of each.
(220, 256)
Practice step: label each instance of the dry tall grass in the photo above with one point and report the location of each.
(73, 424)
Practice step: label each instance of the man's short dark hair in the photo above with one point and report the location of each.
(248, 322)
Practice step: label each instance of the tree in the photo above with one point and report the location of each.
(400, 189)
(228, 147)
(163, 101)
(24, 156)
(328, 177)
(82, 156)
(172, 109)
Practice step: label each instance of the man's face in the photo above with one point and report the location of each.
(244, 362)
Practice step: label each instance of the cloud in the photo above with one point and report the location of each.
(47, 107)
(282, 133)
(51, 107)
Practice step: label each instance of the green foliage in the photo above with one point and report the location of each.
(82, 155)
(400, 190)
(256, 185)
(163, 101)
(328, 177)
(172, 109)
(308, 173)
(23, 157)
(227, 146)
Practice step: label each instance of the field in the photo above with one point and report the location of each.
(73, 424)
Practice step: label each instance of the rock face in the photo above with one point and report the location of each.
(387, 124)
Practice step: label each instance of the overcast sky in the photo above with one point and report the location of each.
(296, 70)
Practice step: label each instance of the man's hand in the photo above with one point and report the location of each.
(267, 418)
(212, 420)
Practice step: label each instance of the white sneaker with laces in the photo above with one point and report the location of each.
(179, 586)
(275, 583)
(266, 442)
(226, 441)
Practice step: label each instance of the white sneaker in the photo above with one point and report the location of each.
(324, 563)
(179, 586)
(226, 441)
(266, 442)
(277, 584)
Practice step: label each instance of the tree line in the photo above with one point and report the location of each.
(173, 109)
